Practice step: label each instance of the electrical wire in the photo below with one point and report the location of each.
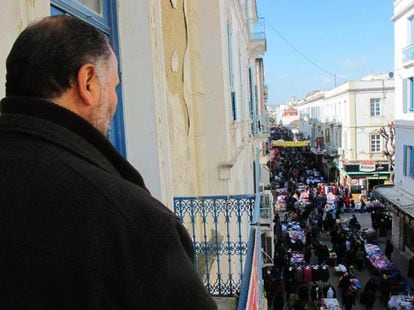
(302, 54)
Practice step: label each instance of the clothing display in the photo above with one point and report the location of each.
(401, 302)
(324, 274)
(316, 273)
(330, 304)
(329, 292)
(299, 275)
(377, 259)
(316, 293)
(307, 274)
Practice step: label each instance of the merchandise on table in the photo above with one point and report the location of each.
(297, 259)
(377, 259)
(401, 302)
(330, 304)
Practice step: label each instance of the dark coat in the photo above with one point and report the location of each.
(78, 228)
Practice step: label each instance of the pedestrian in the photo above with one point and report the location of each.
(79, 228)
(348, 299)
(389, 248)
(359, 257)
(368, 299)
(384, 289)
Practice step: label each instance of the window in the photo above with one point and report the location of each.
(327, 135)
(375, 142)
(94, 5)
(409, 161)
(375, 107)
(230, 68)
(411, 30)
(408, 95)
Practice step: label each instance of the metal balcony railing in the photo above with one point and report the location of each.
(217, 225)
(257, 28)
(260, 124)
(408, 53)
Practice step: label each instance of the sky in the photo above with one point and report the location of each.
(311, 41)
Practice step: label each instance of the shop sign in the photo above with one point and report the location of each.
(367, 166)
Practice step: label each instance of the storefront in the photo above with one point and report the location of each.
(402, 208)
(362, 176)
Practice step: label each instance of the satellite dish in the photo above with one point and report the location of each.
(391, 75)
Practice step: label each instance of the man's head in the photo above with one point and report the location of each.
(69, 62)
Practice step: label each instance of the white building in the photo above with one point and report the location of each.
(344, 125)
(400, 196)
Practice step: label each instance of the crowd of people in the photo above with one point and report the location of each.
(314, 238)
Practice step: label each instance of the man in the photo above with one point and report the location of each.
(78, 228)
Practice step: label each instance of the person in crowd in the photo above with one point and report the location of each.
(344, 282)
(79, 228)
(348, 299)
(269, 283)
(410, 272)
(384, 289)
(359, 257)
(389, 248)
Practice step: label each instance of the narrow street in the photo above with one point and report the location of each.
(400, 261)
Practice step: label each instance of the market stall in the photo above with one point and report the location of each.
(330, 304)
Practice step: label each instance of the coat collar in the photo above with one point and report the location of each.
(27, 112)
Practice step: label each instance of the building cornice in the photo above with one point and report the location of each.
(406, 124)
(402, 12)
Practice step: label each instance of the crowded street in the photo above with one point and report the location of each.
(332, 247)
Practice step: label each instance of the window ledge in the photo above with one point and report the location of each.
(408, 64)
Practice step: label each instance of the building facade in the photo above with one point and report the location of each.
(400, 196)
(344, 126)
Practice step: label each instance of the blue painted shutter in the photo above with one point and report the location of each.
(411, 161)
(405, 97)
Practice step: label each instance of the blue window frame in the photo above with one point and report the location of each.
(408, 95)
(411, 30)
(409, 161)
(233, 95)
(105, 21)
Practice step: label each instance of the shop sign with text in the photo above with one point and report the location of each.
(367, 166)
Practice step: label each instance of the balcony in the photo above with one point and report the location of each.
(332, 151)
(408, 54)
(266, 210)
(257, 44)
(260, 125)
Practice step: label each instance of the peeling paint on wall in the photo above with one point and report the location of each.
(174, 62)
(174, 3)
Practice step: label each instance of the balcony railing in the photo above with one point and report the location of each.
(251, 290)
(257, 44)
(260, 124)
(228, 260)
(257, 28)
(408, 53)
(217, 225)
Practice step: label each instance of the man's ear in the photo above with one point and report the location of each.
(88, 85)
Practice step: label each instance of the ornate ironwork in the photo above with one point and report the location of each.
(219, 226)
